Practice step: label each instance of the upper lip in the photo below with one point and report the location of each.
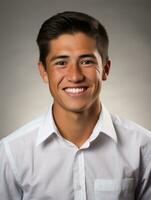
(81, 86)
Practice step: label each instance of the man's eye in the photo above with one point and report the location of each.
(87, 62)
(60, 63)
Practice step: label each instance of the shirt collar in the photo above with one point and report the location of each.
(104, 124)
(107, 124)
(47, 127)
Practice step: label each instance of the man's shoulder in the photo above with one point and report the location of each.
(19, 146)
(129, 128)
(24, 133)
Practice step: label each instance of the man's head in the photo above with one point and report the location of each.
(73, 60)
(70, 23)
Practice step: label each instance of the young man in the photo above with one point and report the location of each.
(78, 150)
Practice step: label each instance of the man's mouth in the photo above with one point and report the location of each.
(75, 90)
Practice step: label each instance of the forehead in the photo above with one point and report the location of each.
(72, 43)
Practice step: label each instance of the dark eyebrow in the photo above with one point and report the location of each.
(65, 56)
(58, 57)
(87, 55)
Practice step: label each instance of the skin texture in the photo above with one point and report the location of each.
(74, 73)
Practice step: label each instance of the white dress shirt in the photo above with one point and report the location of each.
(37, 163)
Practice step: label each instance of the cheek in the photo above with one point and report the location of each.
(55, 78)
(52, 73)
(98, 69)
(95, 75)
(97, 80)
(99, 72)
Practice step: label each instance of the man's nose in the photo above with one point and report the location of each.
(74, 73)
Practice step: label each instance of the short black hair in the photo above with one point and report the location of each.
(72, 22)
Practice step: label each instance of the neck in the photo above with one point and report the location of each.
(76, 127)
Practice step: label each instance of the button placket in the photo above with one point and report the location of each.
(79, 177)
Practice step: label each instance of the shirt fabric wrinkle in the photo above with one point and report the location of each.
(109, 169)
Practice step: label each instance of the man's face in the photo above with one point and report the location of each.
(74, 72)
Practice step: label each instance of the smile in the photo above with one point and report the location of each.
(75, 90)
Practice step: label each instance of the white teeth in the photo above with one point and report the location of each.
(74, 90)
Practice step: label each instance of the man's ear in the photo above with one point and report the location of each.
(106, 70)
(43, 72)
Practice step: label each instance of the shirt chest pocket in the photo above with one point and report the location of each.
(113, 189)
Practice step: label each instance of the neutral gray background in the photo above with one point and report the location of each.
(23, 96)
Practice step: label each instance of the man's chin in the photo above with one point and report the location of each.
(77, 108)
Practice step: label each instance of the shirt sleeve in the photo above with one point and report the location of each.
(144, 186)
(9, 187)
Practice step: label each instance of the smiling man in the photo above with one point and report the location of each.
(74, 71)
(78, 150)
